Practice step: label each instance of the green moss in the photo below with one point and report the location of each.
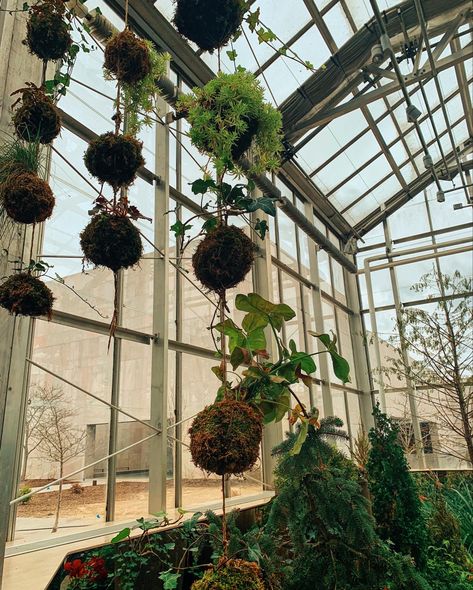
(127, 57)
(27, 198)
(232, 574)
(225, 437)
(223, 258)
(37, 119)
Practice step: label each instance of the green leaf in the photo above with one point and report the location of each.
(283, 406)
(237, 357)
(265, 204)
(218, 372)
(341, 368)
(303, 432)
(180, 228)
(232, 55)
(255, 303)
(261, 228)
(256, 339)
(202, 185)
(210, 224)
(254, 320)
(253, 20)
(305, 361)
(234, 333)
(121, 536)
(170, 580)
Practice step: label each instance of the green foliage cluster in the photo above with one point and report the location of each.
(396, 503)
(231, 574)
(223, 111)
(323, 521)
(23, 491)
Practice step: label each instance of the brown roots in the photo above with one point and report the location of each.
(208, 23)
(27, 198)
(37, 119)
(23, 294)
(223, 258)
(127, 57)
(48, 34)
(114, 159)
(231, 574)
(111, 241)
(225, 437)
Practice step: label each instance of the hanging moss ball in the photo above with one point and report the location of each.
(231, 574)
(48, 33)
(210, 24)
(23, 294)
(127, 57)
(244, 141)
(225, 437)
(111, 241)
(27, 198)
(223, 258)
(114, 158)
(37, 119)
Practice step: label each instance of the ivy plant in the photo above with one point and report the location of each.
(264, 382)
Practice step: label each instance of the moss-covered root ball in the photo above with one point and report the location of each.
(127, 57)
(231, 574)
(114, 159)
(23, 294)
(210, 24)
(37, 119)
(27, 198)
(48, 33)
(111, 241)
(223, 258)
(225, 437)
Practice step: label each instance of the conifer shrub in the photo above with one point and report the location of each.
(127, 57)
(26, 198)
(48, 33)
(225, 437)
(231, 574)
(111, 241)
(223, 258)
(37, 119)
(24, 294)
(210, 24)
(114, 159)
(322, 524)
(396, 504)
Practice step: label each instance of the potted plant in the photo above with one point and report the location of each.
(236, 574)
(48, 31)
(36, 119)
(230, 117)
(210, 24)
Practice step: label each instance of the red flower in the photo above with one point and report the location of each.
(75, 569)
(96, 568)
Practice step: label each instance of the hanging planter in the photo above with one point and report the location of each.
(234, 574)
(24, 294)
(210, 24)
(225, 437)
(111, 241)
(37, 119)
(48, 32)
(127, 57)
(114, 158)
(230, 117)
(26, 198)
(223, 258)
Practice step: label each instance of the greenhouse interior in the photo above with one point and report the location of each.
(260, 377)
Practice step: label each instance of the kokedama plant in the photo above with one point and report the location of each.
(234, 574)
(225, 437)
(114, 158)
(127, 57)
(26, 198)
(210, 24)
(24, 294)
(48, 31)
(37, 119)
(229, 117)
(396, 504)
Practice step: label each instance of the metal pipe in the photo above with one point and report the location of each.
(420, 14)
(397, 69)
(424, 257)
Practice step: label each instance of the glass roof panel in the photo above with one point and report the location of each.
(338, 24)
(286, 21)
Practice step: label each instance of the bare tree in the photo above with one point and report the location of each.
(439, 342)
(39, 400)
(60, 440)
